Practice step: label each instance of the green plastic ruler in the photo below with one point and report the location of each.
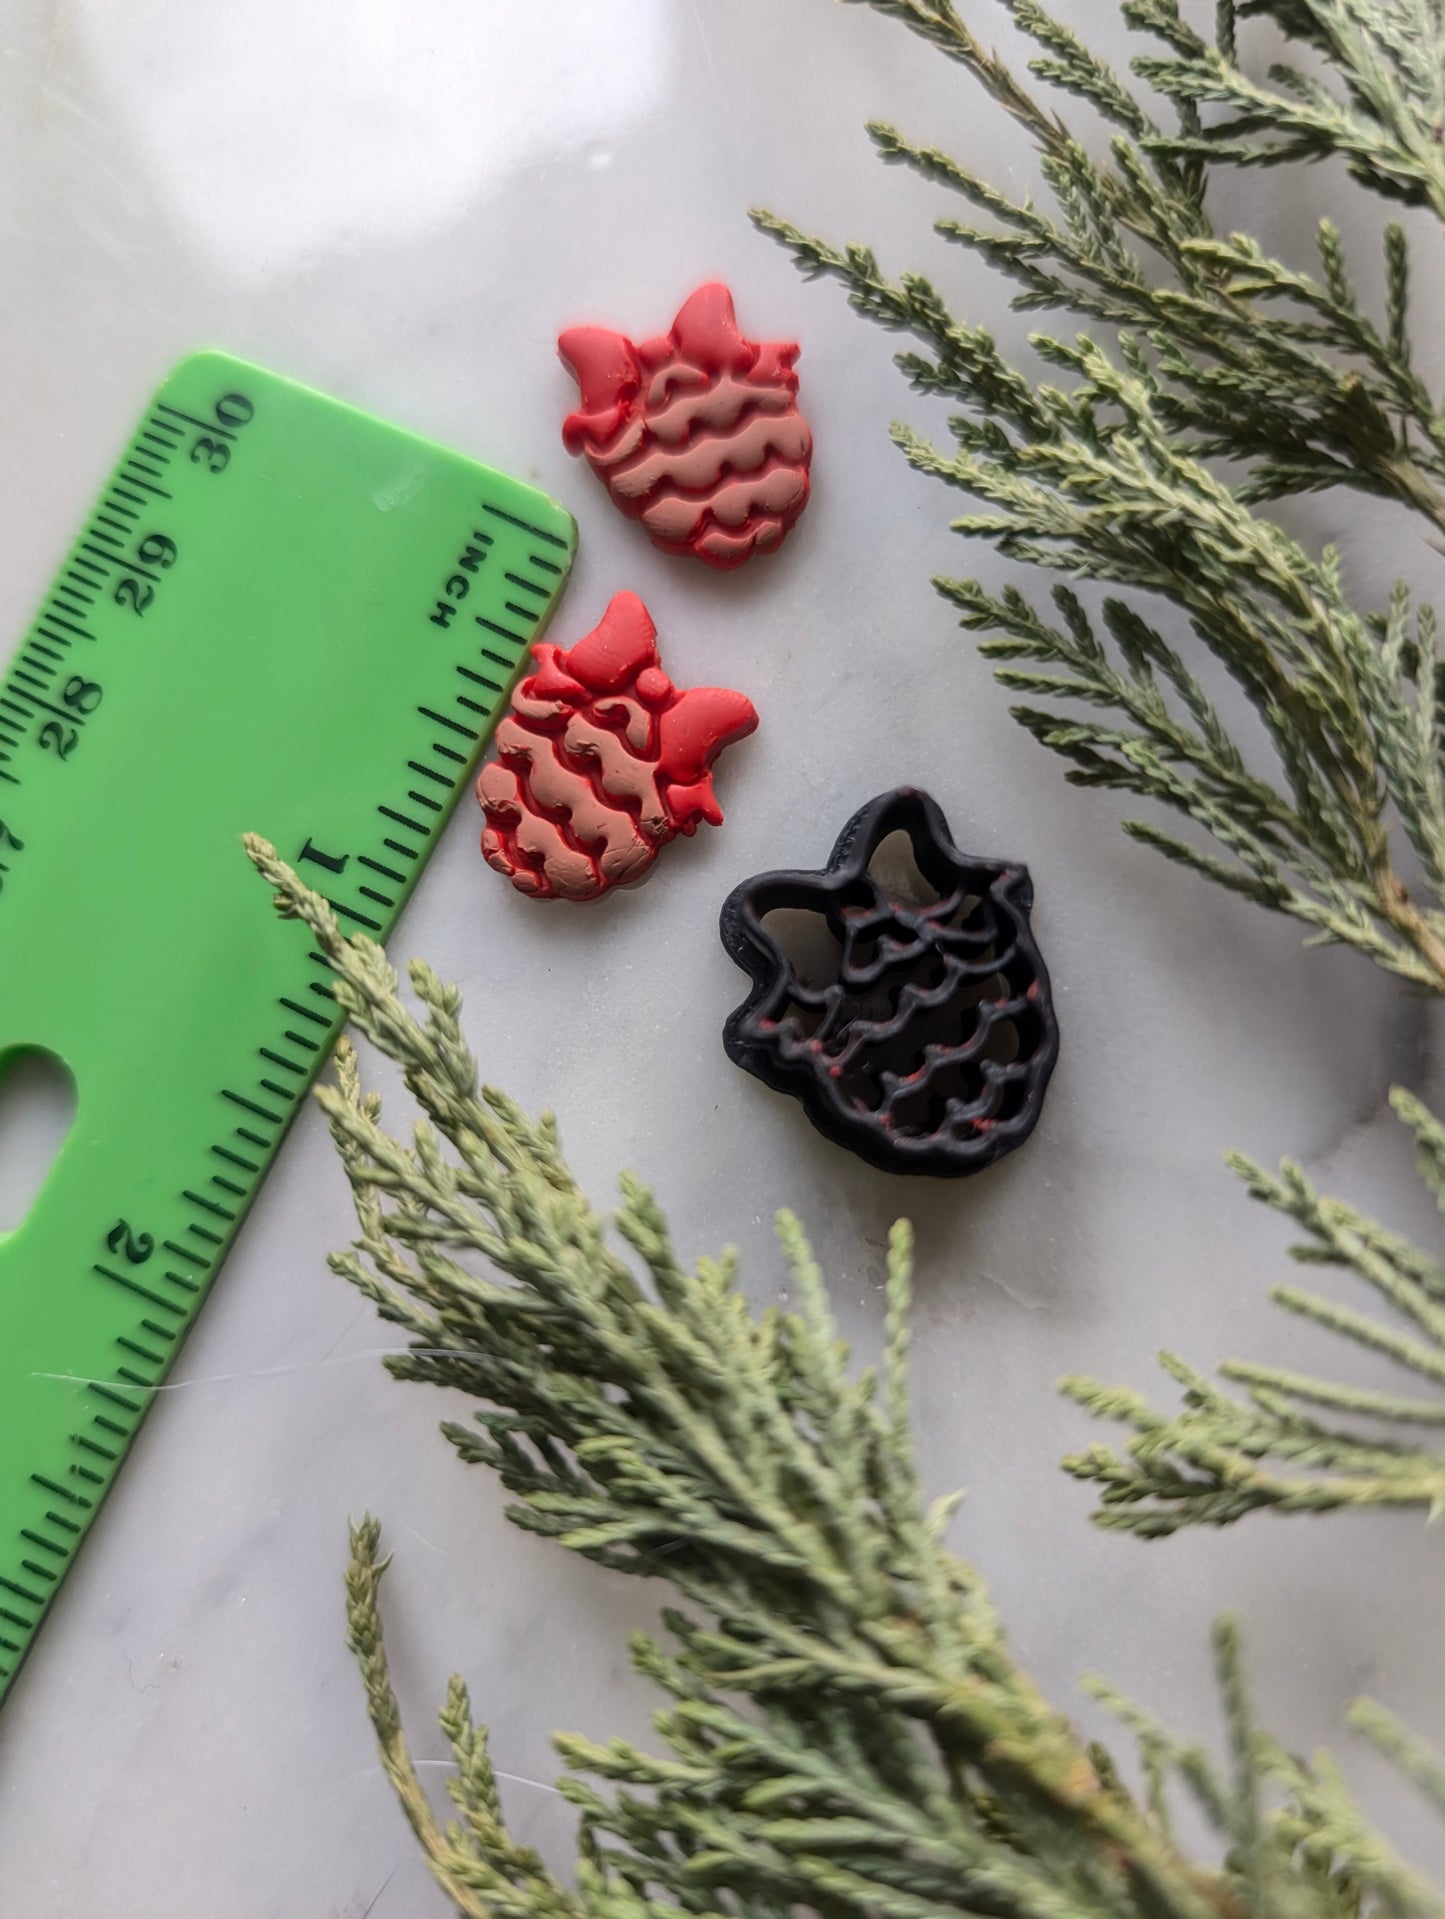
(282, 616)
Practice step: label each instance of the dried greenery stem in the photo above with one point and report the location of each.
(845, 1730)
(1220, 353)
(1295, 1443)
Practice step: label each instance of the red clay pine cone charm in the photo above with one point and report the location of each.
(696, 433)
(602, 761)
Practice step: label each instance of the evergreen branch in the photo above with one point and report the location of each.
(938, 22)
(1316, 853)
(1224, 353)
(1409, 1754)
(1322, 384)
(845, 1730)
(1386, 122)
(1223, 1456)
(477, 1865)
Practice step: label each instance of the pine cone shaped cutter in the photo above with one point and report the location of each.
(929, 1048)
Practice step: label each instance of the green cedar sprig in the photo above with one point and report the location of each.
(1294, 1442)
(1219, 352)
(844, 1730)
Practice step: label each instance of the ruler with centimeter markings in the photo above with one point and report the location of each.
(282, 616)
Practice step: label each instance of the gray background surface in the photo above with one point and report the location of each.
(402, 201)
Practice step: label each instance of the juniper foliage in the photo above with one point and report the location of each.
(1217, 379)
(843, 1729)
(1293, 1442)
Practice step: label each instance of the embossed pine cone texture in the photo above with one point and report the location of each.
(601, 761)
(696, 433)
(927, 1043)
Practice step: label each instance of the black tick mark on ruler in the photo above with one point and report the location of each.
(509, 550)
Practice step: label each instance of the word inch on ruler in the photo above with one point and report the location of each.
(284, 616)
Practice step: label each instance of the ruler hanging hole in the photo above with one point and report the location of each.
(240, 638)
(37, 1111)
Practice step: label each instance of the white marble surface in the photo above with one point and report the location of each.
(401, 201)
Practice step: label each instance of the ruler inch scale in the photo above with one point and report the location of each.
(283, 616)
